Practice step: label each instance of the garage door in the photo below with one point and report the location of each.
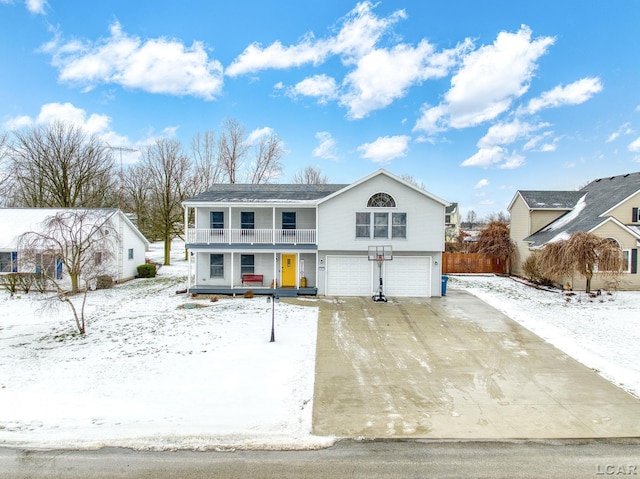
(349, 276)
(408, 276)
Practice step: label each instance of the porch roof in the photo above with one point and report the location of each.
(248, 193)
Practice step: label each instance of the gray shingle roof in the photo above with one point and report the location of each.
(550, 199)
(590, 203)
(241, 193)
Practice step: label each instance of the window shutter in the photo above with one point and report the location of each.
(634, 261)
(14, 261)
(634, 215)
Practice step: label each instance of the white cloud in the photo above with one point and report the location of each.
(496, 156)
(327, 147)
(157, 65)
(488, 81)
(506, 133)
(322, 87)
(36, 6)
(93, 124)
(384, 75)
(481, 184)
(485, 157)
(385, 149)
(259, 133)
(635, 145)
(360, 31)
(625, 129)
(572, 94)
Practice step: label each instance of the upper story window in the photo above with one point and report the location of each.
(247, 220)
(381, 200)
(380, 220)
(288, 220)
(217, 220)
(635, 216)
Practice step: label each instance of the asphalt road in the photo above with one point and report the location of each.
(347, 459)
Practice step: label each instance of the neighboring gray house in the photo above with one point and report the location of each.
(131, 245)
(314, 239)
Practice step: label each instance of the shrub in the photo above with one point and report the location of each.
(104, 282)
(147, 271)
(532, 270)
(248, 294)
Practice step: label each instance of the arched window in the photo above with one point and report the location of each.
(381, 200)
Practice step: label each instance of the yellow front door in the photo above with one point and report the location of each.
(288, 270)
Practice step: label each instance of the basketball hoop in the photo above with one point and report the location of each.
(380, 254)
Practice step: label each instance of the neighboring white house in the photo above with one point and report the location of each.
(131, 244)
(314, 239)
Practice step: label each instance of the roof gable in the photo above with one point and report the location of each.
(590, 210)
(384, 172)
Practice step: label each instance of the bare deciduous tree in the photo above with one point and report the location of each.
(494, 241)
(310, 175)
(5, 172)
(584, 253)
(207, 169)
(266, 164)
(232, 149)
(82, 243)
(136, 198)
(59, 165)
(167, 170)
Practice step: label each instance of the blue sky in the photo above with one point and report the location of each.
(474, 99)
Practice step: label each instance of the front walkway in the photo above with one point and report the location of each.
(453, 367)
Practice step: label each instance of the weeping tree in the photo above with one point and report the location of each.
(583, 253)
(494, 241)
(71, 249)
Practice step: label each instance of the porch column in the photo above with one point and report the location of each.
(188, 269)
(297, 270)
(230, 238)
(275, 270)
(317, 267)
(273, 225)
(231, 270)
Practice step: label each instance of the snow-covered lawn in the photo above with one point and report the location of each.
(603, 332)
(150, 373)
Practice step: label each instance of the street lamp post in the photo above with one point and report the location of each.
(273, 299)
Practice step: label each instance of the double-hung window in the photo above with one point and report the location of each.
(216, 264)
(381, 225)
(247, 264)
(288, 220)
(363, 225)
(399, 225)
(247, 220)
(217, 220)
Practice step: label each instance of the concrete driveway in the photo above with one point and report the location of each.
(453, 367)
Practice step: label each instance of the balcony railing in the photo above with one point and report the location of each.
(256, 236)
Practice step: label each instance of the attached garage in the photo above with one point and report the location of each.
(356, 276)
(349, 276)
(408, 276)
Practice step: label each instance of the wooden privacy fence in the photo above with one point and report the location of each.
(471, 263)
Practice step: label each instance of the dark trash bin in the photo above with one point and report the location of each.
(445, 278)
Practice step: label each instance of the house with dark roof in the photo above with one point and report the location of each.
(607, 207)
(293, 239)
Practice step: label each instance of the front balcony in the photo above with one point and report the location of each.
(251, 236)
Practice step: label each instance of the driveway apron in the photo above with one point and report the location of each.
(453, 367)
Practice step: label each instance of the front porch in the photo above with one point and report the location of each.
(233, 272)
(281, 292)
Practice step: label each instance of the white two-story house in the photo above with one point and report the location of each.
(295, 239)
